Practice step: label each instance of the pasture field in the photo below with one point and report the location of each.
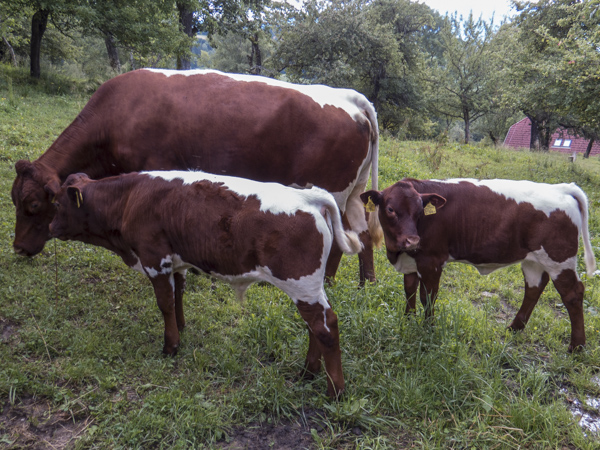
(81, 335)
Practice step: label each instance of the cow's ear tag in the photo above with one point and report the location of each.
(370, 206)
(79, 198)
(429, 209)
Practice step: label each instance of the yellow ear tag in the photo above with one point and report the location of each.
(370, 206)
(79, 199)
(429, 209)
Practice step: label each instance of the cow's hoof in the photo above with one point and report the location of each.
(335, 394)
(516, 326)
(170, 351)
(576, 348)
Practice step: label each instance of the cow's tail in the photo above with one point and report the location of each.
(588, 251)
(375, 229)
(347, 240)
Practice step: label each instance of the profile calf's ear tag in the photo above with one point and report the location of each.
(79, 198)
(370, 206)
(429, 209)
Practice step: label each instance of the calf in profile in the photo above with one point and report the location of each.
(241, 231)
(489, 224)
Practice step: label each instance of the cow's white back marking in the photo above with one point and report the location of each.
(321, 94)
(542, 196)
(274, 197)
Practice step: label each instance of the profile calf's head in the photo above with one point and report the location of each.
(71, 216)
(400, 209)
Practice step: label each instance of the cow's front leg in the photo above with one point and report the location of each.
(366, 262)
(430, 284)
(411, 285)
(179, 279)
(164, 289)
(323, 324)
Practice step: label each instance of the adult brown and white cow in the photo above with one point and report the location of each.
(489, 224)
(238, 230)
(241, 125)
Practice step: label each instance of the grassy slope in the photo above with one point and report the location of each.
(81, 332)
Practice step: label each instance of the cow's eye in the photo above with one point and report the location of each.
(34, 206)
(390, 210)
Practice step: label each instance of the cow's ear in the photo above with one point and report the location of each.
(74, 178)
(52, 188)
(23, 167)
(371, 197)
(75, 195)
(433, 199)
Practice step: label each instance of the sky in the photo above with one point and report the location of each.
(483, 8)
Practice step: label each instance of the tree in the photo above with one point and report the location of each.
(462, 78)
(369, 46)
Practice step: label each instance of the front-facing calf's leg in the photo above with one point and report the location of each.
(411, 284)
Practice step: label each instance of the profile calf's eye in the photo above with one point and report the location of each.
(34, 206)
(390, 210)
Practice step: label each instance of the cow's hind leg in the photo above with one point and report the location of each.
(571, 291)
(312, 365)
(164, 288)
(536, 279)
(323, 325)
(333, 262)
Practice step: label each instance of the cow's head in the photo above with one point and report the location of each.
(32, 196)
(400, 209)
(70, 220)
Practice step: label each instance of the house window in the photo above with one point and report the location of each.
(566, 143)
(558, 142)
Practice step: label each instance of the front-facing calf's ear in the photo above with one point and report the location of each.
(436, 200)
(372, 196)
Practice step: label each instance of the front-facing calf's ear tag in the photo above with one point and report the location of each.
(79, 199)
(429, 209)
(370, 206)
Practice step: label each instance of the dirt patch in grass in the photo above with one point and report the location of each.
(285, 435)
(32, 424)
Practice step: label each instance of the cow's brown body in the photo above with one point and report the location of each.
(241, 231)
(489, 224)
(251, 127)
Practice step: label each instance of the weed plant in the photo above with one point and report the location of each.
(80, 333)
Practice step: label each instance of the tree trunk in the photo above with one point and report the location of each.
(467, 120)
(588, 150)
(13, 57)
(113, 54)
(38, 27)
(493, 138)
(186, 20)
(255, 58)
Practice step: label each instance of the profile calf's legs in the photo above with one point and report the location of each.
(165, 298)
(323, 326)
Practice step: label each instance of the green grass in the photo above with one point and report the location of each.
(80, 333)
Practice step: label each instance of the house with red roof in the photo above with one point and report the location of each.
(519, 136)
